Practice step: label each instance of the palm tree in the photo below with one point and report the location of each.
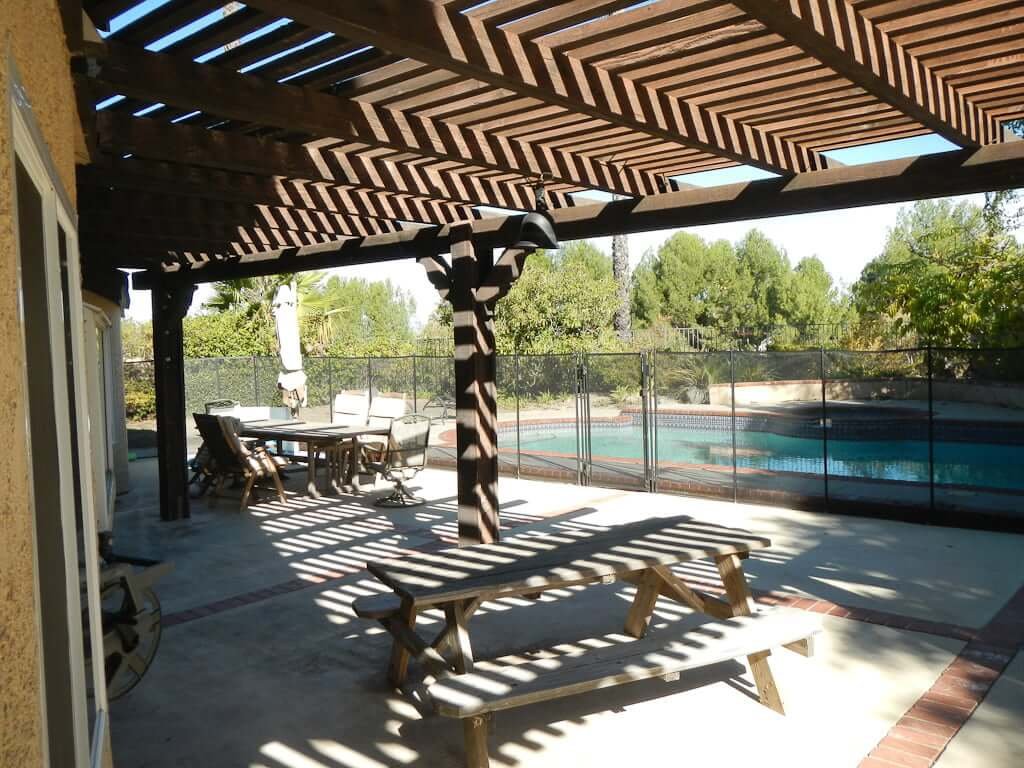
(254, 296)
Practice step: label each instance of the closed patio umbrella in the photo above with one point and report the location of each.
(292, 379)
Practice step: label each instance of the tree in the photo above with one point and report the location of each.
(560, 304)
(767, 272)
(692, 283)
(620, 271)
(364, 318)
(952, 274)
(136, 339)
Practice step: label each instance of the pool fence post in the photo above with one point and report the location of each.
(515, 392)
(645, 424)
(732, 404)
(824, 425)
(931, 435)
(579, 418)
(255, 381)
(415, 400)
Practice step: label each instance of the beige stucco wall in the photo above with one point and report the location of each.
(32, 31)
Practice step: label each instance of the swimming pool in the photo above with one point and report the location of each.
(956, 463)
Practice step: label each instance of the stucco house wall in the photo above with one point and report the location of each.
(32, 32)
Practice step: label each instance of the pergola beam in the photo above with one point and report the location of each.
(839, 36)
(168, 214)
(228, 187)
(216, 91)
(327, 161)
(994, 167)
(443, 37)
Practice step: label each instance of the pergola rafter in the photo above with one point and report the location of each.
(836, 34)
(436, 34)
(218, 186)
(173, 80)
(328, 161)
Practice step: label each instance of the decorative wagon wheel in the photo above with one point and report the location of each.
(131, 634)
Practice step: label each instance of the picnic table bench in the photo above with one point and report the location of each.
(460, 580)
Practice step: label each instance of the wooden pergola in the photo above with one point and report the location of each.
(289, 135)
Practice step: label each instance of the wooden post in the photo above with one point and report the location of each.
(473, 285)
(475, 402)
(170, 303)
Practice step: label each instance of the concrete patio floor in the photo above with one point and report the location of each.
(262, 663)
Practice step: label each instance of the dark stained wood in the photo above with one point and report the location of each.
(853, 46)
(135, 175)
(952, 173)
(170, 303)
(438, 274)
(333, 162)
(476, 406)
(450, 40)
(175, 80)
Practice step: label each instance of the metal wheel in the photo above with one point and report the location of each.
(131, 635)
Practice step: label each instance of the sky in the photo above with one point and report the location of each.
(844, 240)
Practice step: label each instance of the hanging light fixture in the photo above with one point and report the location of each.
(537, 230)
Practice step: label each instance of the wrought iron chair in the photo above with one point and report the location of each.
(403, 458)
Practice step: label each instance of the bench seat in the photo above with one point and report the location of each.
(383, 606)
(616, 660)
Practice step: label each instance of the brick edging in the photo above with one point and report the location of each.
(921, 735)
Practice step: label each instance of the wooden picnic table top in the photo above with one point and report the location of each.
(306, 431)
(575, 555)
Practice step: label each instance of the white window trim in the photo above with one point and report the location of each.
(28, 146)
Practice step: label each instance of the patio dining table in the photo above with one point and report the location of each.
(317, 437)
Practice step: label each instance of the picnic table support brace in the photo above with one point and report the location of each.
(738, 592)
(170, 303)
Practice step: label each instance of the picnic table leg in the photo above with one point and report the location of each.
(352, 466)
(455, 615)
(311, 471)
(398, 668)
(647, 590)
(738, 593)
(474, 734)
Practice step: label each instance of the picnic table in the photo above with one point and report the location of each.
(317, 437)
(460, 580)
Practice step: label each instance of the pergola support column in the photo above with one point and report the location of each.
(170, 303)
(473, 285)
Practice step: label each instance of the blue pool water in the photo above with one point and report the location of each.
(975, 464)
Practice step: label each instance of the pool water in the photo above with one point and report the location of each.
(976, 464)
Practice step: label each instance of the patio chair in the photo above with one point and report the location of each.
(351, 409)
(384, 409)
(231, 457)
(404, 457)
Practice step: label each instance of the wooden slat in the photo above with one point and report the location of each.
(222, 187)
(742, 603)
(994, 167)
(851, 44)
(174, 80)
(428, 32)
(612, 660)
(332, 162)
(524, 564)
